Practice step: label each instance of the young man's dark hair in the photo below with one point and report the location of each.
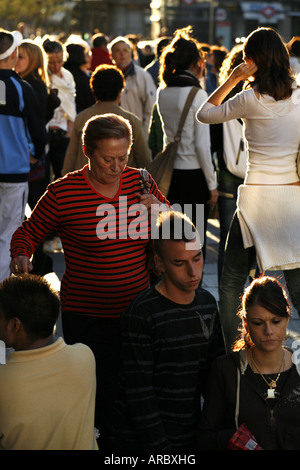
(30, 299)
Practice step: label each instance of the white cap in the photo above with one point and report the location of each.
(17, 40)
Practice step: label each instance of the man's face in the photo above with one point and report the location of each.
(182, 264)
(121, 54)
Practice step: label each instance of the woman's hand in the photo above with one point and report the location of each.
(213, 197)
(243, 71)
(239, 73)
(21, 264)
(148, 199)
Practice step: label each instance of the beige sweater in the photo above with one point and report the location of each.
(140, 155)
(47, 399)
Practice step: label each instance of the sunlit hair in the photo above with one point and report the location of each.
(294, 46)
(105, 126)
(232, 60)
(268, 293)
(37, 62)
(270, 54)
(182, 52)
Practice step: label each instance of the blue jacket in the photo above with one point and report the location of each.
(21, 131)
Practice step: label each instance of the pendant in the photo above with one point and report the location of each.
(270, 393)
(273, 384)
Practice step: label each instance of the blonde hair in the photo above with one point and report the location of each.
(37, 62)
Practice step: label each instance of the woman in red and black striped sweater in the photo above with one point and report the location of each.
(105, 235)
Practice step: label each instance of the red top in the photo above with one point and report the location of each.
(100, 56)
(102, 275)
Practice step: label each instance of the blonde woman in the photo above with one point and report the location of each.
(32, 67)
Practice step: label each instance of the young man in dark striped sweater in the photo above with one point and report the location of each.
(170, 335)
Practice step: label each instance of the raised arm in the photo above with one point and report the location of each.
(239, 73)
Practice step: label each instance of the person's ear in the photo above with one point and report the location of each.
(159, 264)
(15, 324)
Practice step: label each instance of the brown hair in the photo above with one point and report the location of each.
(105, 126)
(270, 54)
(183, 51)
(37, 63)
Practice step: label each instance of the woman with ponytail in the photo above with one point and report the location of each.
(194, 180)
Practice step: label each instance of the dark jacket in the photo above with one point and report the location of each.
(236, 395)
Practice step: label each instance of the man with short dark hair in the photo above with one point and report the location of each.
(47, 393)
(170, 335)
(22, 139)
(107, 83)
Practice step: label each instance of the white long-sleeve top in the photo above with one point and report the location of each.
(272, 132)
(194, 147)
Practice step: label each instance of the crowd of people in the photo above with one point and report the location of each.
(148, 360)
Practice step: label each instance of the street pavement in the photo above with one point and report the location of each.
(210, 278)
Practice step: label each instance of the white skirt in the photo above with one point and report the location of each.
(269, 218)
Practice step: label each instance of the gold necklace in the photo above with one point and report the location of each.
(273, 383)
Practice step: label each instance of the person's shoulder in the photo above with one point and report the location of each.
(143, 302)
(204, 297)
(142, 72)
(145, 296)
(86, 114)
(132, 118)
(200, 97)
(130, 172)
(81, 354)
(67, 74)
(71, 178)
(227, 362)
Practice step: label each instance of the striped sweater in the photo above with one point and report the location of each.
(167, 350)
(102, 275)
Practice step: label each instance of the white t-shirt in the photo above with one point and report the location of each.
(194, 147)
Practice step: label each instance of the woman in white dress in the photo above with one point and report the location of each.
(267, 221)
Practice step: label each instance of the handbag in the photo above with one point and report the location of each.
(161, 167)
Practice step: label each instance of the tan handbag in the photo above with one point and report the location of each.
(161, 167)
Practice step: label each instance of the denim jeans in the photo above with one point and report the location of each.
(227, 207)
(238, 262)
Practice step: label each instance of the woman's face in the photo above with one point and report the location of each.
(266, 330)
(22, 61)
(108, 160)
(55, 62)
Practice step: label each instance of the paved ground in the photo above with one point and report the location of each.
(210, 280)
